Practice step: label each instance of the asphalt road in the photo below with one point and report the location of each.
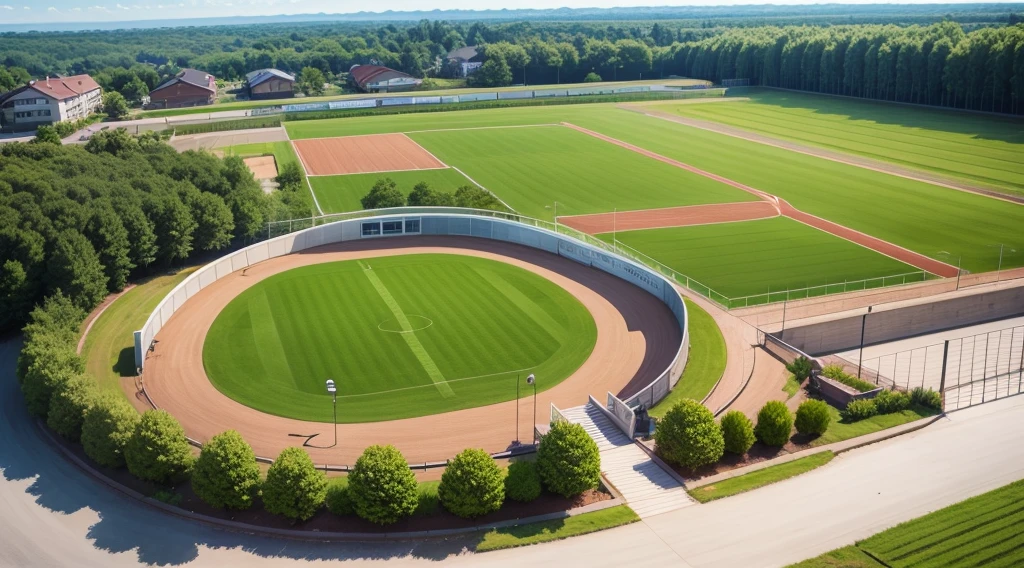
(51, 514)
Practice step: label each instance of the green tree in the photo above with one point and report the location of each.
(493, 73)
(592, 78)
(688, 436)
(158, 450)
(472, 485)
(47, 134)
(54, 363)
(568, 460)
(114, 105)
(107, 427)
(422, 195)
(383, 194)
(107, 233)
(737, 432)
(68, 405)
(774, 424)
(289, 177)
(476, 198)
(75, 268)
(294, 487)
(311, 81)
(134, 91)
(382, 487)
(226, 474)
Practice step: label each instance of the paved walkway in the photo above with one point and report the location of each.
(647, 488)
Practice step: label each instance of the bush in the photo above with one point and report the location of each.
(688, 436)
(800, 367)
(774, 424)
(836, 373)
(294, 488)
(339, 498)
(226, 474)
(158, 450)
(568, 460)
(68, 405)
(108, 425)
(926, 398)
(891, 401)
(522, 482)
(114, 105)
(592, 78)
(737, 432)
(859, 410)
(813, 417)
(51, 367)
(381, 486)
(471, 485)
(383, 194)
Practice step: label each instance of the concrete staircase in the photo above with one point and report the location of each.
(647, 488)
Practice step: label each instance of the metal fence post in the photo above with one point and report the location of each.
(942, 377)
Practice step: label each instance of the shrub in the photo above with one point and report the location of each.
(158, 450)
(568, 460)
(926, 398)
(800, 367)
(833, 371)
(226, 474)
(891, 401)
(737, 432)
(774, 424)
(294, 488)
(383, 194)
(592, 78)
(471, 485)
(108, 425)
(836, 373)
(522, 482)
(51, 367)
(688, 436)
(68, 405)
(339, 498)
(813, 417)
(381, 485)
(859, 410)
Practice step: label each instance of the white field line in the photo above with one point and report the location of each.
(305, 170)
(621, 211)
(446, 167)
(485, 189)
(429, 153)
(497, 127)
(772, 216)
(447, 381)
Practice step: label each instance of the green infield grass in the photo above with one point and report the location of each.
(981, 148)
(754, 257)
(531, 168)
(942, 223)
(338, 194)
(401, 336)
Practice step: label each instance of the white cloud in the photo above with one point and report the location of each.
(5, 7)
(120, 7)
(52, 9)
(76, 9)
(98, 9)
(27, 8)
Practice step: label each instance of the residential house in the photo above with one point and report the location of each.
(467, 58)
(378, 79)
(269, 84)
(188, 88)
(50, 100)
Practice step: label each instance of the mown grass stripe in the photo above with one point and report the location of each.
(516, 296)
(268, 341)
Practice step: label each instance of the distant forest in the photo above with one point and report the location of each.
(971, 58)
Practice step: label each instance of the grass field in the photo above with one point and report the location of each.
(547, 531)
(981, 531)
(986, 149)
(753, 257)
(402, 336)
(705, 364)
(282, 151)
(531, 168)
(337, 194)
(760, 478)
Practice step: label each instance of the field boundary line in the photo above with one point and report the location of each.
(634, 217)
(476, 183)
(652, 227)
(428, 130)
(625, 211)
(305, 171)
(446, 167)
(421, 147)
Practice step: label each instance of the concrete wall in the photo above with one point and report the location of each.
(888, 325)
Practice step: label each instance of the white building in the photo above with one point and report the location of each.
(54, 99)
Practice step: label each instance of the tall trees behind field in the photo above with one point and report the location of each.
(935, 65)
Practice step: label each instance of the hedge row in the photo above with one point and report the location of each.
(223, 125)
(836, 373)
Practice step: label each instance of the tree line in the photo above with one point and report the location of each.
(84, 220)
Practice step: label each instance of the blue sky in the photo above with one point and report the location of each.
(52, 11)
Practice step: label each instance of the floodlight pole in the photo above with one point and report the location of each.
(533, 381)
(333, 390)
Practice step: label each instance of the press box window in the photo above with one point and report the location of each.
(412, 225)
(371, 229)
(392, 227)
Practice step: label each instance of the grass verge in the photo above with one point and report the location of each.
(557, 529)
(760, 478)
(846, 557)
(704, 366)
(838, 430)
(791, 387)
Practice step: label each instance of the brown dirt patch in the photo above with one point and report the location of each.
(262, 167)
(363, 154)
(636, 340)
(670, 217)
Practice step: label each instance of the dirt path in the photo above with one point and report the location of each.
(670, 217)
(636, 340)
(96, 313)
(831, 155)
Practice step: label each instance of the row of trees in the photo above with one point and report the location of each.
(936, 65)
(86, 219)
(385, 194)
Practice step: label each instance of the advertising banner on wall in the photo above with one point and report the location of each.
(359, 103)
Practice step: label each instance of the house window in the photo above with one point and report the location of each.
(392, 227)
(412, 226)
(371, 229)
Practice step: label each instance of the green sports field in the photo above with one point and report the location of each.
(755, 257)
(402, 337)
(981, 148)
(337, 194)
(282, 151)
(531, 168)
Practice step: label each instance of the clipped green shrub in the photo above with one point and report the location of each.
(926, 398)
(158, 450)
(339, 498)
(892, 401)
(800, 367)
(837, 373)
(51, 368)
(522, 482)
(859, 410)
(737, 432)
(774, 424)
(568, 460)
(106, 429)
(813, 417)
(471, 485)
(68, 405)
(226, 474)
(688, 435)
(294, 488)
(381, 486)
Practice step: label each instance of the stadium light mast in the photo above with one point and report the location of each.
(532, 380)
(333, 390)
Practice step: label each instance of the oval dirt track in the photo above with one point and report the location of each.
(637, 338)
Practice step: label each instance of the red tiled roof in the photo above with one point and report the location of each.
(366, 74)
(61, 88)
